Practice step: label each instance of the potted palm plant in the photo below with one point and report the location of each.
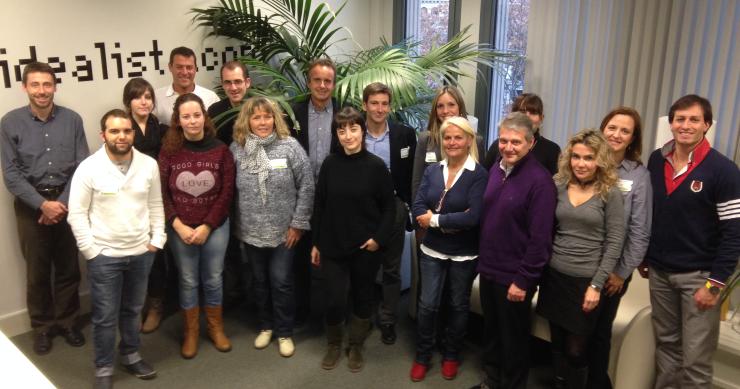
(285, 35)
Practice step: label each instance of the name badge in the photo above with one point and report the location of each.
(405, 152)
(624, 185)
(279, 163)
(431, 157)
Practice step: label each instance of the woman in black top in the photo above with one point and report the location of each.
(352, 219)
(544, 150)
(138, 98)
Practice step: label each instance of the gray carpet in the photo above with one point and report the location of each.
(245, 367)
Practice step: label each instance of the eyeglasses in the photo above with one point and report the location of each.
(441, 201)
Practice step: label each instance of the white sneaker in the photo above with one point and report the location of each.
(263, 339)
(287, 348)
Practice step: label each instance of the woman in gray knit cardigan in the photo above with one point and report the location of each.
(274, 200)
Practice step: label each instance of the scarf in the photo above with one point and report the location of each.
(256, 161)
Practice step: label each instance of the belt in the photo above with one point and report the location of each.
(50, 192)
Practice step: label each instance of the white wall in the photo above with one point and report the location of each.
(71, 28)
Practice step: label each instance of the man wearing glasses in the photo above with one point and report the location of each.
(235, 81)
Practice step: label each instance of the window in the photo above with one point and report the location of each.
(507, 82)
(428, 21)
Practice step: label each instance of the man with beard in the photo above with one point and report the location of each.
(116, 214)
(41, 146)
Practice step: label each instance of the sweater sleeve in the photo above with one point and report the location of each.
(221, 207)
(470, 217)
(419, 205)
(387, 207)
(164, 175)
(540, 222)
(614, 237)
(303, 176)
(156, 212)
(80, 198)
(728, 213)
(638, 226)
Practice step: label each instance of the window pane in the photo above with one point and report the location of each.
(428, 21)
(508, 82)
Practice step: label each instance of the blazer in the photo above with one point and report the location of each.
(403, 148)
(300, 132)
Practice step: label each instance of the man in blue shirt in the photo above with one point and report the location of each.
(395, 144)
(41, 146)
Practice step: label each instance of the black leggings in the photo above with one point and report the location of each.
(573, 346)
(353, 275)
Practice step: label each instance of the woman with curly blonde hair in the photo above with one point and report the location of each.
(589, 234)
(274, 199)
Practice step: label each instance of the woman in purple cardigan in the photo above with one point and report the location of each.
(448, 205)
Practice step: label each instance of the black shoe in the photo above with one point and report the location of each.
(104, 382)
(388, 333)
(141, 370)
(42, 343)
(73, 336)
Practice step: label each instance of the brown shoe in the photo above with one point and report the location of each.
(214, 317)
(153, 316)
(191, 330)
(358, 331)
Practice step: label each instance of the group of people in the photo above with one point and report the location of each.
(335, 192)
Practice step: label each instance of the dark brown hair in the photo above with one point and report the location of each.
(135, 88)
(113, 113)
(376, 88)
(634, 149)
(38, 67)
(348, 116)
(182, 51)
(174, 137)
(233, 65)
(321, 62)
(528, 102)
(689, 101)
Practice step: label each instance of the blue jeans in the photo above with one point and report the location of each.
(437, 274)
(117, 290)
(272, 269)
(200, 264)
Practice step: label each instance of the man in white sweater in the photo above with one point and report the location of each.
(117, 217)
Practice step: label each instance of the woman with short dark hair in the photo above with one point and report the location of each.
(352, 219)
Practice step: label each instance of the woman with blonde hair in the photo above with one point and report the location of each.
(274, 198)
(448, 206)
(589, 234)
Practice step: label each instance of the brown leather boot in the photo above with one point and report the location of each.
(334, 335)
(214, 317)
(153, 316)
(358, 332)
(191, 331)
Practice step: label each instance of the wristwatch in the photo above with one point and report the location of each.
(713, 289)
(596, 288)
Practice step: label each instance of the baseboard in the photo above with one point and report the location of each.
(16, 323)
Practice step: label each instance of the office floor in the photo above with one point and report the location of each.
(245, 367)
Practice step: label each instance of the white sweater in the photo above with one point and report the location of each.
(114, 214)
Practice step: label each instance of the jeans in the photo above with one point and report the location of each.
(272, 269)
(200, 264)
(117, 290)
(437, 274)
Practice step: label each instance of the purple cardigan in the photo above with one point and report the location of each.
(517, 224)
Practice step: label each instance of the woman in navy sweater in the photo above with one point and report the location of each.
(448, 205)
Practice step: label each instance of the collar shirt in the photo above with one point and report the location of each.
(166, 96)
(38, 153)
(380, 146)
(634, 183)
(674, 178)
(319, 135)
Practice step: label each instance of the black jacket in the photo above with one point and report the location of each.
(403, 148)
(300, 131)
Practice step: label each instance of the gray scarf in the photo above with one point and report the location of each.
(256, 161)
